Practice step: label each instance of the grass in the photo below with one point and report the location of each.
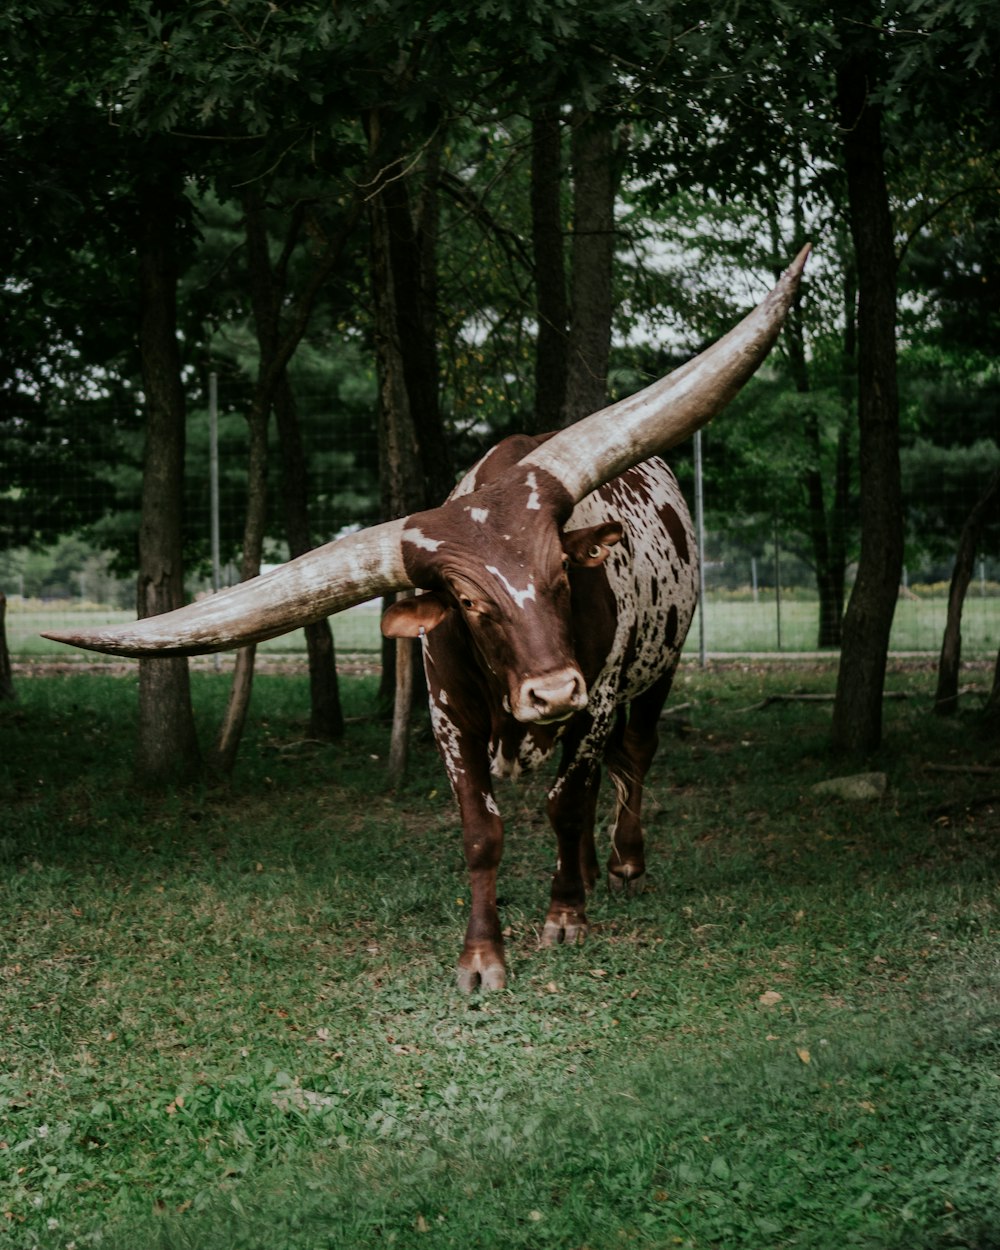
(228, 1018)
(732, 626)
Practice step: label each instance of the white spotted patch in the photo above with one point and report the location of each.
(530, 756)
(419, 539)
(490, 803)
(479, 515)
(447, 737)
(520, 597)
(534, 500)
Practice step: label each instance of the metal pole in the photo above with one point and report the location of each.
(213, 487)
(699, 521)
(777, 581)
(213, 475)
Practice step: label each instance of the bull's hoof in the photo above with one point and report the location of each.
(625, 880)
(479, 974)
(565, 929)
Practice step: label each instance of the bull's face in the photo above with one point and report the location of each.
(501, 559)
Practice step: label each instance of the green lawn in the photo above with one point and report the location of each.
(228, 1016)
(730, 627)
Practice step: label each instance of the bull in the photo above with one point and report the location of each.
(557, 581)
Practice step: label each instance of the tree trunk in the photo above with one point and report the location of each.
(326, 717)
(857, 718)
(946, 697)
(409, 244)
(277, 341)
(167, 746)
(829, 574)
(551, 344)
(7, 692)
(231, 731)
(402, 484)
(595, 183)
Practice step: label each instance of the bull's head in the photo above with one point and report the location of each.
(500, 557)
(496, 553)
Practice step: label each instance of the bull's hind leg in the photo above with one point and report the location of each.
(628, 762)
(572, 807)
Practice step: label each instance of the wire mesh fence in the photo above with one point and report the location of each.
(760, 616)
(760, 589)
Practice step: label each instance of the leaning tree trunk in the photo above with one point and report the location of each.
(857, 717)
(414, 455)
(946, 697)
(167, 741)
(822, 515)
(548, 253)
(326, 717)
(233, 722)
(267, 290)
(278, 337)
(402, 486)
(596, 174)
(7, 692)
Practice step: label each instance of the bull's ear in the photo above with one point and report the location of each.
(589, 547)
(409, 618)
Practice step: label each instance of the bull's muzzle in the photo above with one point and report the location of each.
(550, 697)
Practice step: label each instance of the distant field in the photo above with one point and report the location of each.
(918, 626)
(730, 627)
(355, 629)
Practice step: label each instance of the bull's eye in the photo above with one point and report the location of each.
(466, 602)
(565, 562)
(595, 552)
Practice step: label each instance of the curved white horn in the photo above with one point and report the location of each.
(598, 448)
(316, 584)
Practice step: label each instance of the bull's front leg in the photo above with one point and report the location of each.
(481, 965)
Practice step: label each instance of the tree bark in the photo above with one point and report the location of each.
(277, 338)
(326, 717)
(408, 239)
(828, 558)
(267, 288)
(167, 748)
(551, 343)
(857, 719)
(949, 663)
(402, 482)
(7, 692)
(595, 183)
(233, 722)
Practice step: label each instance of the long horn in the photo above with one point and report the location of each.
(599, 447)
(316, 584)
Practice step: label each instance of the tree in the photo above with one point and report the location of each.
(857, 717)
(167, 746)
(596, 173)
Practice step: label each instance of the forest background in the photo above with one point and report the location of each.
(395, 232)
